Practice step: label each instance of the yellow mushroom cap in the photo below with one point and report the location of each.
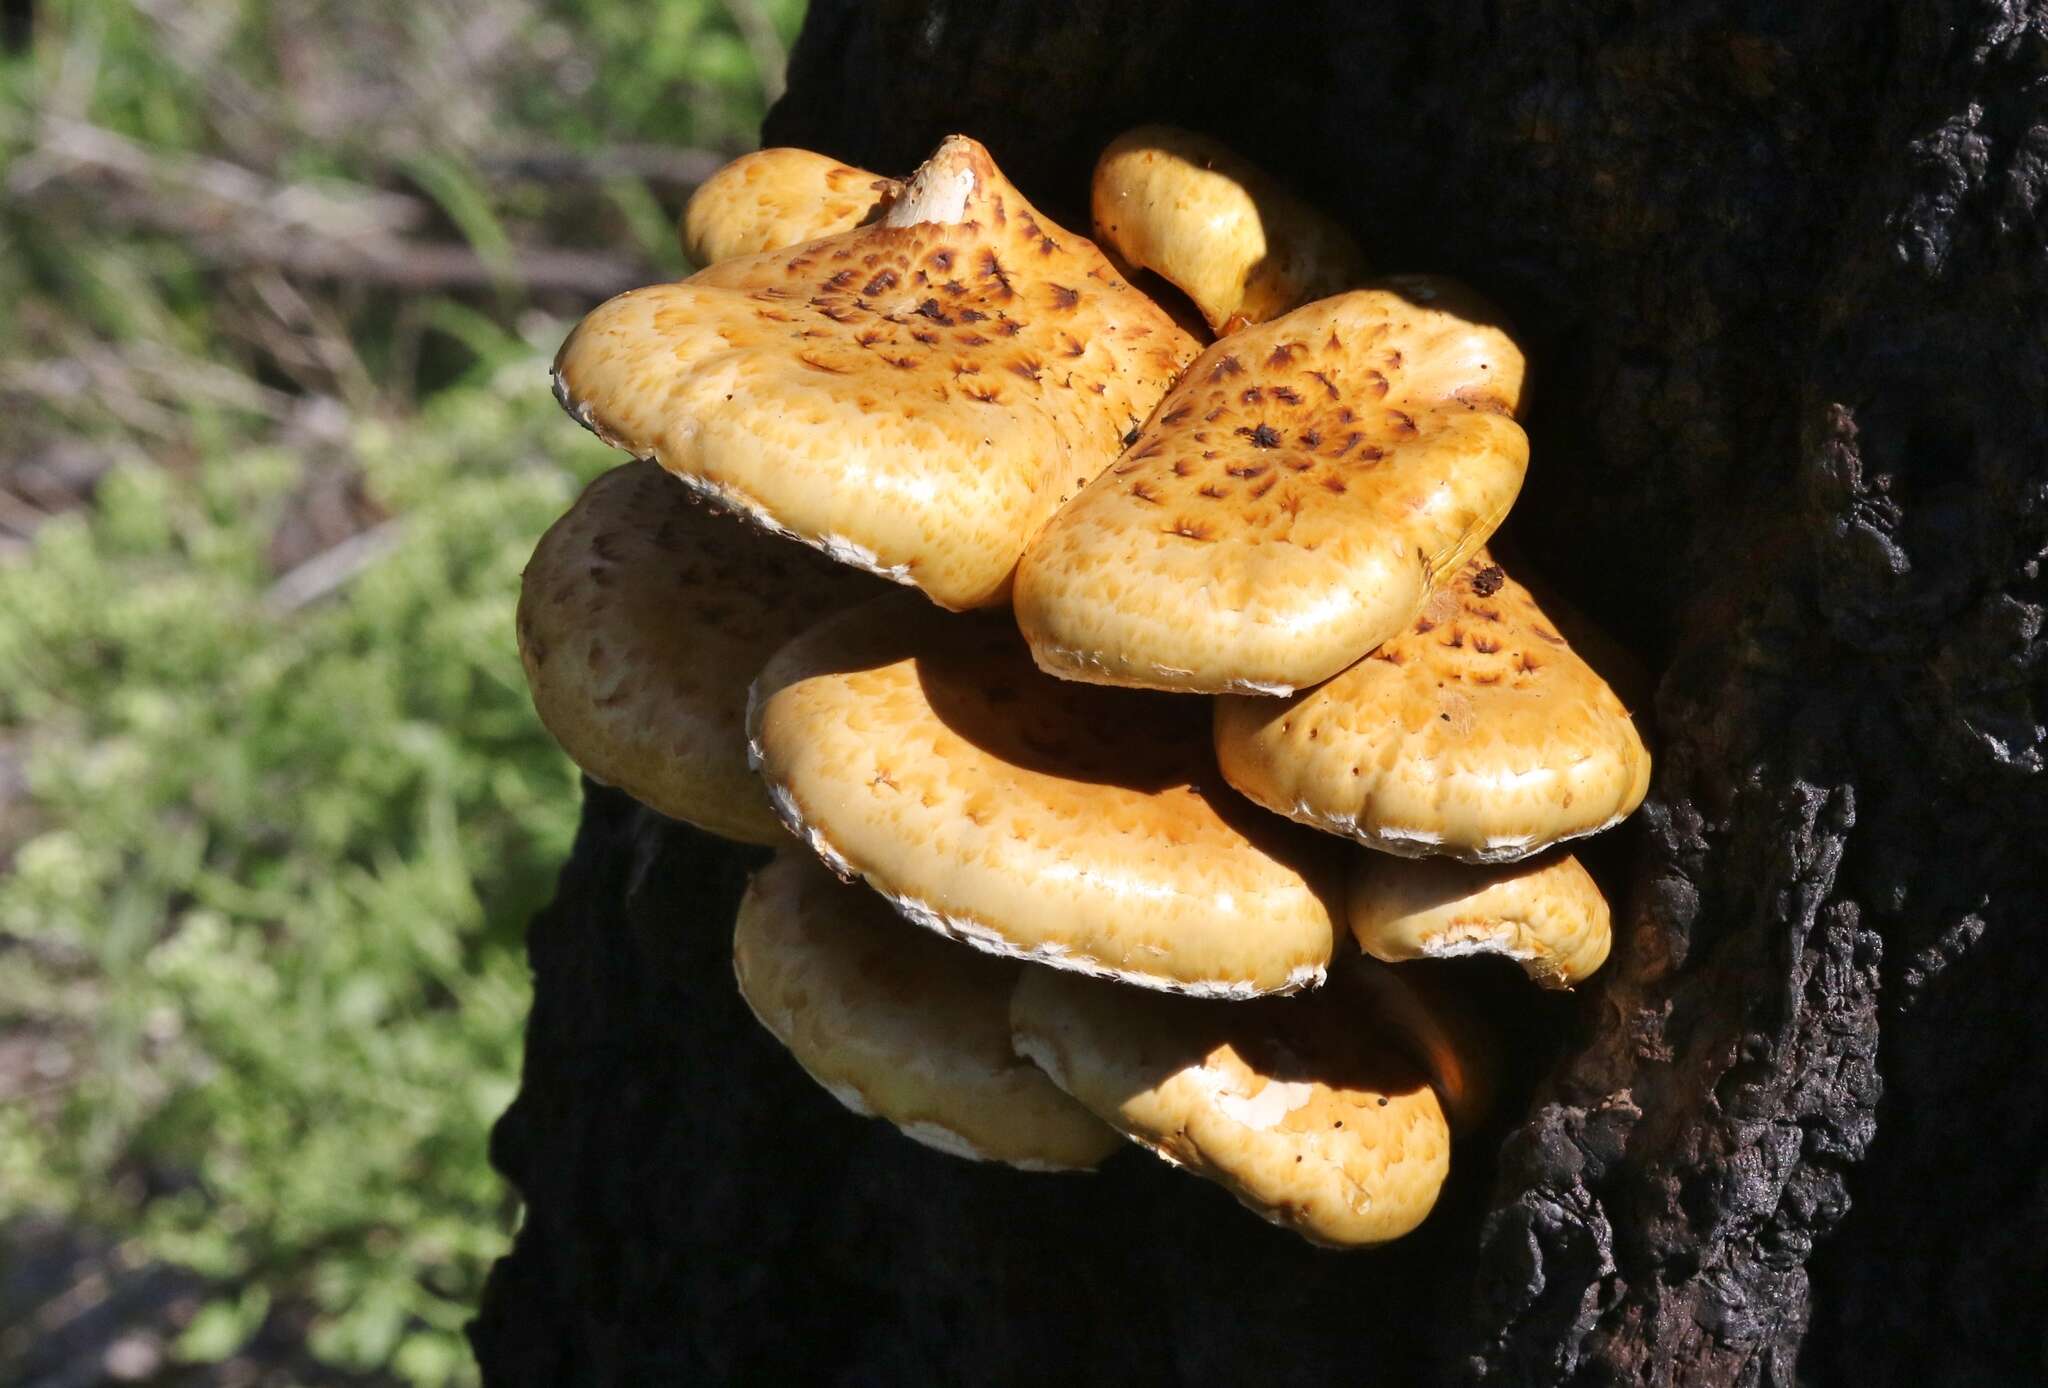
(914, 397)
(642, 619)
(1291, 502)
(1434, 1023)
(1310, 1119)
(1227, 234)
(1477, 734)
(1079, 827)
(1546, 914)
(898, 1024)
(774, 198)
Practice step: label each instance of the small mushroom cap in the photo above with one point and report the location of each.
(642, 618)
(1307, 1117)
(1235, 241)
(897, 1023)
(1291, 502)
(774, 198)
(1079, 827)
(914, 398)
(1546, 914)
(1433, 1021)
(1477, 734)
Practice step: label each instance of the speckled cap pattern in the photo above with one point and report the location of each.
(643, 617)
(1477, 734)
(1290, 505)
(774, 198)
(914, 398)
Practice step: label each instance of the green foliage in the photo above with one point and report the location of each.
(298, 849)
(280, 845)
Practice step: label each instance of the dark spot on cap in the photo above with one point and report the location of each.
(1265, 436)
(1063, 297)
(930, 309)
(1488, 580)
(1131, 436)
(1226, 366)
(840, 280)
(1282, 355)
(885, 280)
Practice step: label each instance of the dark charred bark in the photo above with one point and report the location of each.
(1782, 271)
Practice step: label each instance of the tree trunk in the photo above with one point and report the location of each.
(1780, 271)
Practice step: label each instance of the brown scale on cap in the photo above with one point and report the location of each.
(774, 198)
(1478, 734)
(642, 618)
(1079, 827)
(915, 397)
(1290, 503)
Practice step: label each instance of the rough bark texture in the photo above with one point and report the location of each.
(1782, 270)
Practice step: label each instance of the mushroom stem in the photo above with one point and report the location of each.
(943, 186)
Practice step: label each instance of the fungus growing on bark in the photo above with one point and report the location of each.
(1290, 504)
(1477, 734)
(1547, 914)
(774, 198)
(642, 618)
(914, 397)
(1078, 827)
(1312, 1119)
(1217, 227)
(896, 1023)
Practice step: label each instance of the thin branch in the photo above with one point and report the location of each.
(233, 217)
(332, 568)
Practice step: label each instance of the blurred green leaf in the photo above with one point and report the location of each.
(275, 861)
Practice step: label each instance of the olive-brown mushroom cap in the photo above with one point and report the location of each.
(914, 398)
(643, 616)
(1310, 1119)
(1547, 914)
(1079, 827)
(781, 197)
(1290, 504)
(1235, 241)
(898, 1024)
(1478, 734)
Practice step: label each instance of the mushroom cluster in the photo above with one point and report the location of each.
(1180, 911)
